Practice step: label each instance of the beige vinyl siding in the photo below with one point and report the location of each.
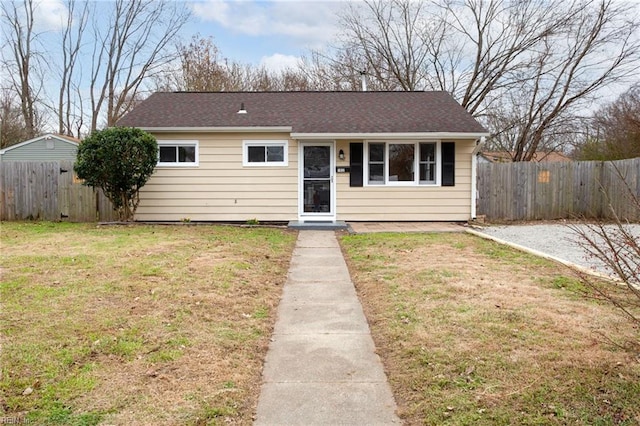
(220, 188)
(407, 203)
(38, 151)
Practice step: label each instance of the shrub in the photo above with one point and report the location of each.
(120, 161)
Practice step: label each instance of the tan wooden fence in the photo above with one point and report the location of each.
(534, 191)
(48, 191)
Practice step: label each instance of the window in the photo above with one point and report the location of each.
(395, 163)
(178, 153)
(376, 163)
(402, 162)
(265, 153)
(428, 163)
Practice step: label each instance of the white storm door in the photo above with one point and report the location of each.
(317, 186)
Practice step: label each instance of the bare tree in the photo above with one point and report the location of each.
(69, 108)
(499, 34)
(132, 48)
(568, 69)
(23, 60)
(615, 129)
(343, 71)
(387, 35)
(202, 67)
(12, 128)
(288, 79)
(522, 66)
(466, 48)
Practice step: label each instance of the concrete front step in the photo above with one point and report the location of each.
(319, 225)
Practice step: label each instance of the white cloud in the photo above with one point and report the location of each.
(279, 62)
(309, 23)
(51, 14)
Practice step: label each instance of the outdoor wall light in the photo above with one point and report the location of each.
(341, 155)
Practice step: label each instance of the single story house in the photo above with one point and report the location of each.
(49, 147)
(309, 156)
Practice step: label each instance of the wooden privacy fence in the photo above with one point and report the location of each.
(47, 190)
(533, 191)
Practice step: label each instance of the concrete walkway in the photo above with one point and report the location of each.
(321, 367)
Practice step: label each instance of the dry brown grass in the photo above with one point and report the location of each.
(137, 325)
(471, 332)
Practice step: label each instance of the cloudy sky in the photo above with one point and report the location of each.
(273, 33)
(270, 32)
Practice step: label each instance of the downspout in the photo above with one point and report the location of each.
(474, 173)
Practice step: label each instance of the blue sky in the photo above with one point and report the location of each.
(273, 33)
(259, 32)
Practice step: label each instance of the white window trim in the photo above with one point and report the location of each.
(366, 165)
(438, 165)
(416, 181)
(245, 153)
(168, 142)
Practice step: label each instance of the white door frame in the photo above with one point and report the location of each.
(317, 216)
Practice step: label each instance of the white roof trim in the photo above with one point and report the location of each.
(46, 137)
(389, 136)
(316, 136)
(256, 129)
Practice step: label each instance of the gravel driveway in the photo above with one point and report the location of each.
(555, 239)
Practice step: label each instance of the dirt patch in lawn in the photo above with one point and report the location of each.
(137, 325)
(471, 332)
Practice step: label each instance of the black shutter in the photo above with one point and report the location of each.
(356, 162)
(448, 163)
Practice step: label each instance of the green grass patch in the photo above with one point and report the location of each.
(475, 333)
(115, 324)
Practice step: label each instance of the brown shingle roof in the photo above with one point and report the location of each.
(307, 112)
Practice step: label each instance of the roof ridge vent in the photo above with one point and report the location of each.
(242, 110)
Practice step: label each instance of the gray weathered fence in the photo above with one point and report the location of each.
(48, 191)
(534, 191)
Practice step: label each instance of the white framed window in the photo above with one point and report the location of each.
(270, 153)
(402, 163)
(427, 163)
(178, 153)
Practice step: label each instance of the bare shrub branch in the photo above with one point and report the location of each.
(617, 246)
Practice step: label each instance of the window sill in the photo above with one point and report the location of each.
(177, 165)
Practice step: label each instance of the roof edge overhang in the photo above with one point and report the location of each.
(390, 136)
(229, 129)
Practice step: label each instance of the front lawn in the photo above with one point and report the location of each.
(136, 325)
(475, 333)
(143, 325)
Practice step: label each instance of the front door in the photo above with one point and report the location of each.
(317, 201)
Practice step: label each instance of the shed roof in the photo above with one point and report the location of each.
(62, 138)
(306, 112)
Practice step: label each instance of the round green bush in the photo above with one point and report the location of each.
(120, 161)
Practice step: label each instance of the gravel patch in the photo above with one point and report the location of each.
(554, 239)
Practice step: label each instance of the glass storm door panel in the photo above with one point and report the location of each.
(317, 179)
